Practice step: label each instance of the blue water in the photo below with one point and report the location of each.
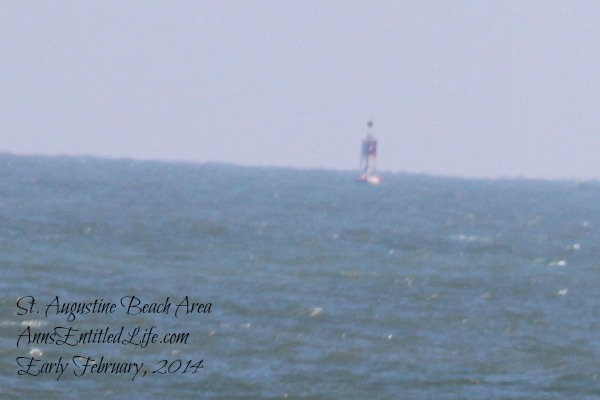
(321, 288)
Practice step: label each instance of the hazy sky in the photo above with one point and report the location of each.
(469, 88)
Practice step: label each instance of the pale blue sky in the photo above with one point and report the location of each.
(468, 88)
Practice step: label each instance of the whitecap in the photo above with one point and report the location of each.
(35, 352)
(34, 323)
(317, 311)
(471, 238)
(559, 263)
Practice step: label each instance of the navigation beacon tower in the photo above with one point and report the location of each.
(368, 159)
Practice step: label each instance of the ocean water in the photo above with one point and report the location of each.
(319, 287)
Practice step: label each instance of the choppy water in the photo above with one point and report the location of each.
(321, 288)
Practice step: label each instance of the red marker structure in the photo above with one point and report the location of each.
(368, 159)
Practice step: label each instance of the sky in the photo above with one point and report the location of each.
(488, 89)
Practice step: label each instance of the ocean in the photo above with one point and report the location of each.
(210, 281)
